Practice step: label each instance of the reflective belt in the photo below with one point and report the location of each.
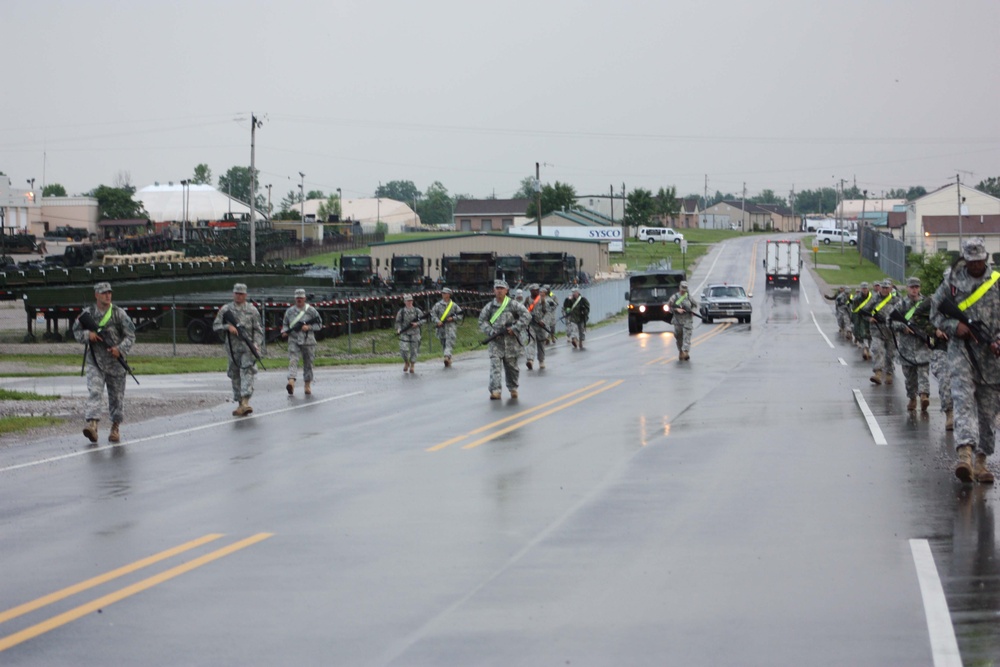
(298, 317)
(576, 302)
(862, 305)
(503, 306)
(884, 301)
(680, 300)
(980, 291)
(534, 303)
(107, 318)
(910, 312)
(447, 310)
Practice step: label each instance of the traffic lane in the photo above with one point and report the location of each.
(780, 531)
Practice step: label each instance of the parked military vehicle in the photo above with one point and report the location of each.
(552, 268)
(357, 271)
(64, 232)
(469, 270)
(406, 271)
(511, 269)
(14, 242)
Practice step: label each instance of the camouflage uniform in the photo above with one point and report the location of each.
(409, 337)
(914, 354)
(301, 343)
(537, 335)
(974, 369)
(242, 368)
(860, 323)
(883, 348)
(504, 351)
(577, 310)
(102, 369)
(842, 307)
(447, 330)
(683, 321)
(551, 312)
(528, 348)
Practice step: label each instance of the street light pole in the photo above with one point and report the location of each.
(340, 206)
(253, 188)
(184, 211)
(302, 207)
(268, 201)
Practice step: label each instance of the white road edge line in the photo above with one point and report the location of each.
(944, 646)
(841, 360)
(821, 333)
(160, 436)
(870, 418)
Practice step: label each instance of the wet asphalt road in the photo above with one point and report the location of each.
(628, 509)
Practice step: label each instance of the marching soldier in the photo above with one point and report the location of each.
(862, 330)
(551, 311)
(537, 334)
(446, 315)
(577, 309)
(105, 351)
(915, 332)
(298, 327)
(966, 306)
(504, 321)
(882, 345)
(408, 321)
(840, 304)
(682, 305)
(242, 342)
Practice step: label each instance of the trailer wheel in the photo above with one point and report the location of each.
(199, 331)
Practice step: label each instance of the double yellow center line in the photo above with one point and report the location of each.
(105, 600)
(521, 418)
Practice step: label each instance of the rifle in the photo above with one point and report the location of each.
(980, 333)
(88, 322)
(296, 328)
(229, 317)
(897, 316)
(495, 335)
(535, 320)
(409, 327)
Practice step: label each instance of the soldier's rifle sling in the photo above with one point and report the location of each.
(409, 327)
(230, 318)
(88, 322)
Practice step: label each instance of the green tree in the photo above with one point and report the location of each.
(436, 207)
(929, 268)
(916, 192)
(990, 186)
(236, 183)
(330, 207)
(767, 197)
(53, 190)
(117, 204)
(556, 197)
(404, 191)
(315, 194)
(527, 189)
(640, 208)
(202, 175)
(667, 204)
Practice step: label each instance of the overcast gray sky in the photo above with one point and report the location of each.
(774, 93)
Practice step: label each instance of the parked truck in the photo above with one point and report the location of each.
(469, 270)
(357, 271)
(407, 272)
(783, 263)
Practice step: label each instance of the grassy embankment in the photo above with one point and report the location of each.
(17, 424)
(850, 269)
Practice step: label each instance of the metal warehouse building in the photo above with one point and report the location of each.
(594, 255)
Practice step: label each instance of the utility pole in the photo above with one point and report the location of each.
(302, 208)
(706, 191)
(184, 214)
(958, 191)
(791, 200)
(254, 124)
(538, 196)
(268, 201)
(861, 229)
(743, 208)
(840, 215)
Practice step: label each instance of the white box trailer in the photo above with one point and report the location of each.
(615, 236)
(783, 263)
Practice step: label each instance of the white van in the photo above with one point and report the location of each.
(654, 234)
(828, 236)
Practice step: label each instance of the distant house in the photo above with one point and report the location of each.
(490, 215)
(734, 214)
(932, 221)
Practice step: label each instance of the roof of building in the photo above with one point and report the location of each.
(690, 204)
(512, 207)
(972, 225)
(168, 203)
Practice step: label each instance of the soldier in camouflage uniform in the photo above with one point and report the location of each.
(408, 322)
(551, 312)
(242, 363)
(504, 316)
(913, 336)
(974, 364)
(102, 365)
(941, 372)
(841, 309)
(537, 335)
(883, 345)
(446, 315)
(302, 342)
(682, 305)
(577, 310)
(527, 354)
(862, 332)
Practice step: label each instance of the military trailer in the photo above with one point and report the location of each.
(552, 268)
(469, 270)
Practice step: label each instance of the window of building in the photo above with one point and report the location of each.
(506, 223)
(942, 245)
(465, 225)
(487, 225)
